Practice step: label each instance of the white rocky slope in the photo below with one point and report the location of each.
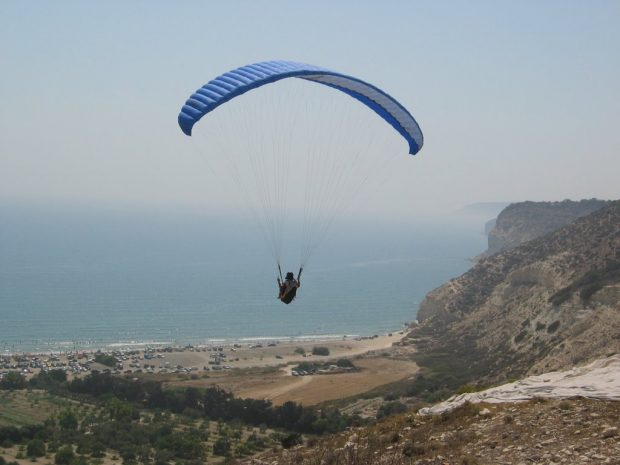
(597, 380)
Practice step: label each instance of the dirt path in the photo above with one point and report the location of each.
(279, 386)
(282, 390)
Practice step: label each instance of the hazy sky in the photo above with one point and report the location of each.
(517, 100)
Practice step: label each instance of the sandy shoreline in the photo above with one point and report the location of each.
(66, 348)
(214, 356)
(258, 369)
(279, 353)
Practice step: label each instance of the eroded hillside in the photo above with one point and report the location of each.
(524, 221)
(551, 303)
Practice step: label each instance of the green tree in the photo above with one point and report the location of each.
(67, 420)
(35, 448)
(128, 453)
(144, 454)
(221, 446)
(64, 456)
(242, 449)
(13, 380)
(163, 457)
(309, 367)
(59, 376)
(320, 350)
(6, 444)
(107, 360)
(79, 460)
(119, 410)
(345, 363)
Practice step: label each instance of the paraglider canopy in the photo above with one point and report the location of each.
(322, 139)
(241, 80)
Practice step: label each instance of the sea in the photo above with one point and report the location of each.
(93, 278)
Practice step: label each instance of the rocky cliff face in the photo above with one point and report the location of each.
(548, 304)
(524, 221)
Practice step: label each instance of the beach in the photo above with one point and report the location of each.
(262, 369)
(269, 372)
(273, 352)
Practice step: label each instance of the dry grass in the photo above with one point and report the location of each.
(536, 433)
(19, 408)
(280, 386)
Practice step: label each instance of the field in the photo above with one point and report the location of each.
(19, 408)
(279, 386)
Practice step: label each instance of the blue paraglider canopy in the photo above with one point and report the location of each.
(241, 80)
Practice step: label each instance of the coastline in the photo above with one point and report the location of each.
(262, 369)
(88, 347)
(224, 354)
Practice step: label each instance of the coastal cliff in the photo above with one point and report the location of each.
(550, 303)
(524, 221)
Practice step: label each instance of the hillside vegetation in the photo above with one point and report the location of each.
(576, 431)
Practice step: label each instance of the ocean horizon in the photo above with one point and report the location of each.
(72, 279)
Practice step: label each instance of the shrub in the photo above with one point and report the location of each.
(79, 460)
(565, 405)
(13, 380)
(256, 442)
(97, 450)
(291, 440)
(469, 460)
(35, 448)
(561, 296)
(410, 449)
(300, 351)
(64, 456)
(309, 367)
(553, 327)
(221, 446)
(467, 388)
(107, 360)
(192, 413)
(519, 337)
(242, 450)
(391, 408)
(589, 290)
(468, 409)
(320, 350)
(345, 363)
(67, 420)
